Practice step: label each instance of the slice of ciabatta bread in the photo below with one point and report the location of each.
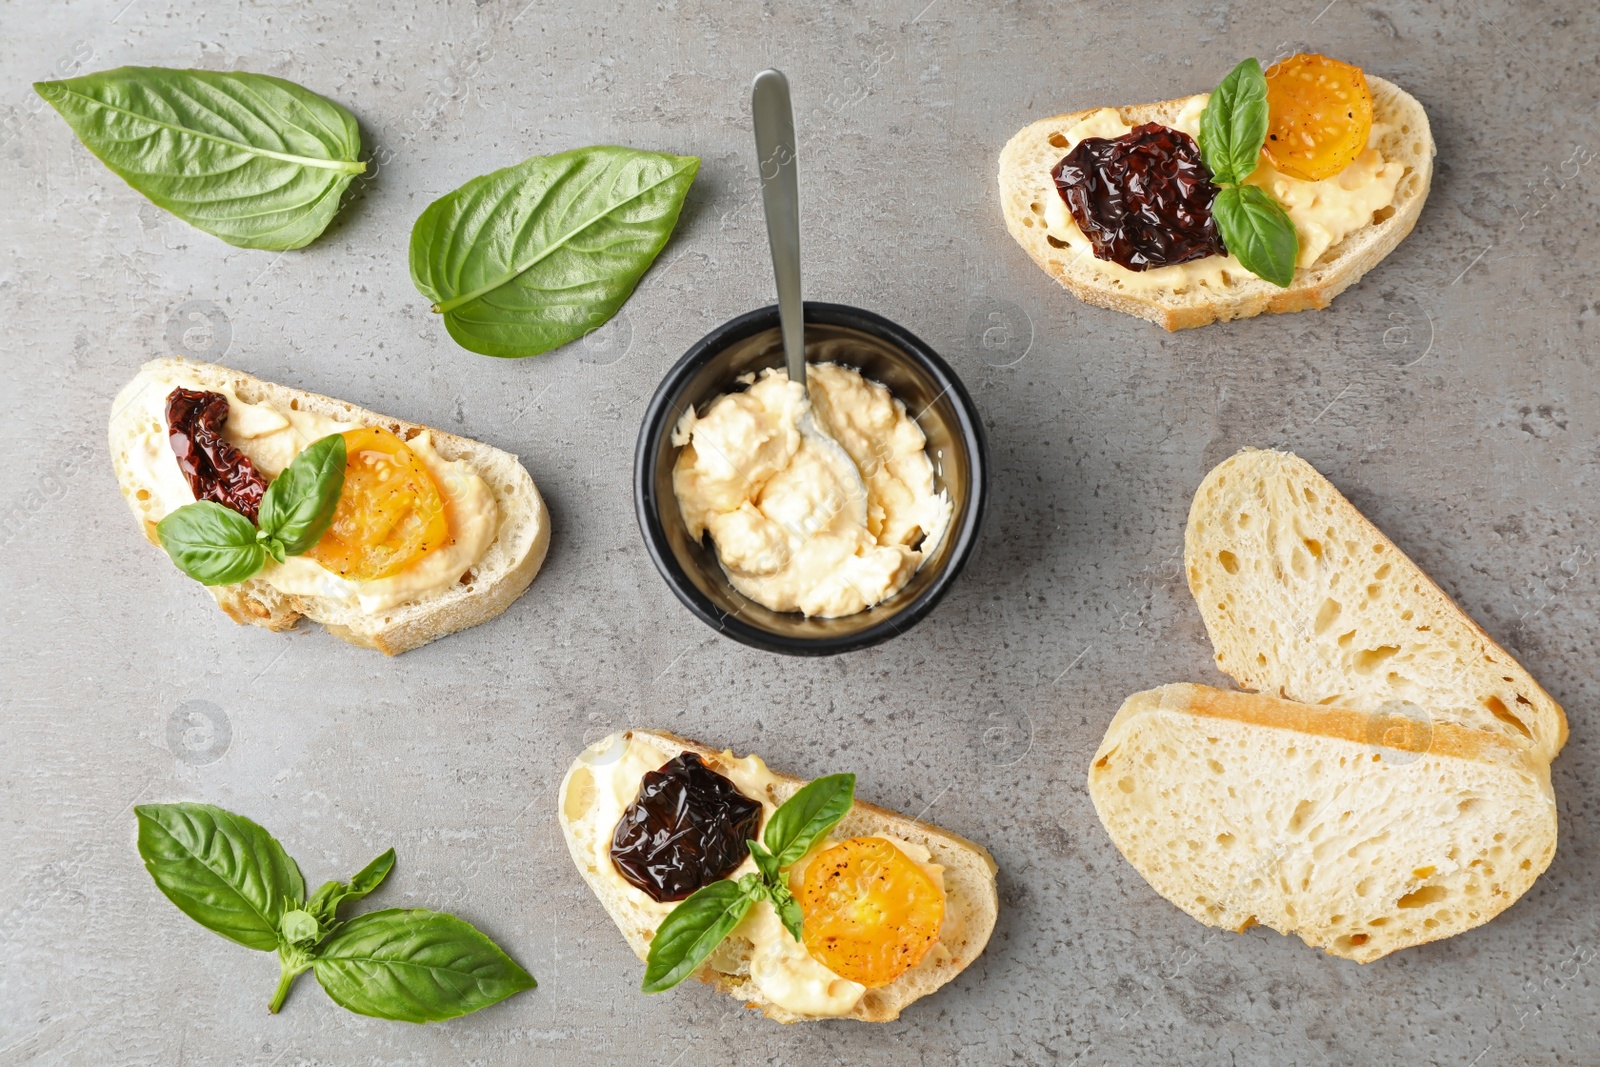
(1026, 186)
(483, 592)
(1304, 598)
(971, 900)
(1244, 809)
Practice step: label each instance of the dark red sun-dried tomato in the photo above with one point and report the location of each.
(686, 829)
(1142, 199)
(215, 469)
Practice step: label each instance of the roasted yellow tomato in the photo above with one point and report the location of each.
(389, 514)
(870, 913)
(1319, 116)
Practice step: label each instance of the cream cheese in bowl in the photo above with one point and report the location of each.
(781, 515)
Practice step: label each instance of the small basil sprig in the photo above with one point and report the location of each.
(231, 876)
(218, 546)
(1233, 128)
(693, 930)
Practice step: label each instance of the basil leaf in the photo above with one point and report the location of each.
(766, 862)
(254, 160)
(212, 544)
(220, 869)
(788, 910)
(1233, 126)
(299, 504)
(531, 257)
(1258, 232)
(416, 966)
(807, 815)
(324, 903)
(691, 932)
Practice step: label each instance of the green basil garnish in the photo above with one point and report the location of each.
(324, 903)
(531, 257)
(1254, 227)
(693, 930)
(1258, 231)
(415, 966)
(218, 546)
(257, 161)
(299, 504)
(212, 544)
(806, 816)
(231, 876)
(1233, 126)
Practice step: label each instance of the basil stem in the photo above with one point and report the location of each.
(292, 963)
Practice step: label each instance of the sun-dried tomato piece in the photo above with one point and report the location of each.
(686, 829)
(1142, 199)
(215, 469)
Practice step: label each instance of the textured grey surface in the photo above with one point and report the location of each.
(1452, 396)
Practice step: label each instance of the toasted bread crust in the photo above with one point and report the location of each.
(506, 571)
(1025, 178)
(972, 901)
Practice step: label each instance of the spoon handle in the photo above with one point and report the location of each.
(780, 196)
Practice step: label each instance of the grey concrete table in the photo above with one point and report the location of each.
(1452, 395)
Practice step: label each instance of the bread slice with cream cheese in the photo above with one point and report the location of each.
(605, 778)
(1191, 297)
(1306, 599)
(1361, 833)
(481, 590)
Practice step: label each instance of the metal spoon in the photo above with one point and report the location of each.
(780, 197)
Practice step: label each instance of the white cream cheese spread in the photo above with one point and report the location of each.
(774, 502)
(271, 437)
(1323, 212)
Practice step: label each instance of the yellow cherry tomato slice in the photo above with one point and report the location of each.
(1319, 116)
(870, 913)
(389, 514)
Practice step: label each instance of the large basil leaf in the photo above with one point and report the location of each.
(531, 257)
(1233, 127)
(414, 965)
(220, 869)
(212, 544)
(299, 504)
(692, 931)
(806, 816)
(324, 903)
(254, 160)
(1258, 231)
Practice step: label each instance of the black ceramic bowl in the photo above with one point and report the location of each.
(881, 351)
